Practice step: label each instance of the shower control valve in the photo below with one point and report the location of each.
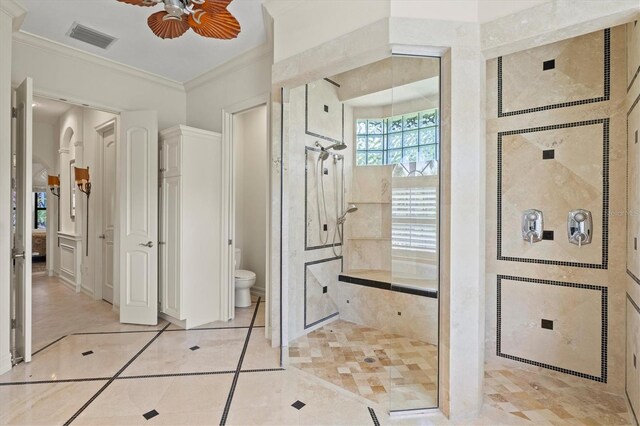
(532, 225)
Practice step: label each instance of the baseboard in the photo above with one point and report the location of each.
(86, 291)
(172, 320)
(258, 292)
(5, 363)
(67, 282)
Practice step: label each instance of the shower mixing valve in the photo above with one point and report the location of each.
(580, 227)
(532, 226)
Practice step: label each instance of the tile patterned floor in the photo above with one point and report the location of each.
(547, 397)
(387, 369)
(104, 372)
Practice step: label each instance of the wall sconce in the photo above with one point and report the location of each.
(84, 185)
(54, 186)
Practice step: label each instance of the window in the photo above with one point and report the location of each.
(414, 214)
(40, 214)
(405, 138)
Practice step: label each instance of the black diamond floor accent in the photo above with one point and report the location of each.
(298, 405)
(194, 348)
(151, 414)
(87, 353)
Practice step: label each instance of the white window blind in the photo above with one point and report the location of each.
(414, 214)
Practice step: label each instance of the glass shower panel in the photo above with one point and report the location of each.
(415, 190)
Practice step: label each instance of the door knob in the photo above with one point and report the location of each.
(18, 255)
(102, 237)
(148, 244)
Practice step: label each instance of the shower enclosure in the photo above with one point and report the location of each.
(362, 188)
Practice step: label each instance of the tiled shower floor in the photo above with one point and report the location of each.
(388, 369)
(547, 397)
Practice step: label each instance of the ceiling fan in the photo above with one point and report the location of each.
(209, 18)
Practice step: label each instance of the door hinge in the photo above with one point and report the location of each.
(230, 242)
(14, 112)
(13, 324)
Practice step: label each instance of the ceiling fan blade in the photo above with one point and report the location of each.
(167, 28)
(214, 6)
(215, 25)
(144, 3)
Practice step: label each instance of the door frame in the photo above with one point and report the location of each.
(111, 124)
(227, 297)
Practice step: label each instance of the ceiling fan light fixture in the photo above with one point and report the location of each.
(215, 25)
(167, 26)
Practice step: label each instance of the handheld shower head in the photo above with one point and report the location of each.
(350, 209)
(338, 146)
(323, 155)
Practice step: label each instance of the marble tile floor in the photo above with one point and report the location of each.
(541, 396)
(391, 370)
(104, 374)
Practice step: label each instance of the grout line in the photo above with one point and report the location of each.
(372, 412)
(227, 405)
(48, 382)
(50, 344)
(262, 370)
(154, 376)
(106, 385)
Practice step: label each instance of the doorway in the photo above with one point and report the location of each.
(106, 250)
(247, 147)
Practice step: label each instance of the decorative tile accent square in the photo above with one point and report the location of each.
(194, 348)
(151, 414)
(547, 324)
(548, 154)
(549, 65)
(87, 353)
(298, 405)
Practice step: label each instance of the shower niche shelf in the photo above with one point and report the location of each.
(369, 202)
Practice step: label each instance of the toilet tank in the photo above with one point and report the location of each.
(237, 258)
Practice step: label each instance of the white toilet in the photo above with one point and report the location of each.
(243, 282)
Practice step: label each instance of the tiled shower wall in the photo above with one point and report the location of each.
(556, 142)
(632, 112)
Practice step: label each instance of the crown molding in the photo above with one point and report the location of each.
(240, 61)
(15, 10)
(68, 51)
(182, 130)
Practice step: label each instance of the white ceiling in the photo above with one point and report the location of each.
(180, 59)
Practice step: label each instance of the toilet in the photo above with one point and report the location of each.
(244, 280)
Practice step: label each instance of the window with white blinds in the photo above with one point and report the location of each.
(414, 215)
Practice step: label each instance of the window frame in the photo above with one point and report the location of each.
(432, 126)
(36, 209)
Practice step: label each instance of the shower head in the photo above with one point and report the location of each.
(350, 209)
(338, 146)
(323, 155)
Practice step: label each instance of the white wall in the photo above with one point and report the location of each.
(250, 141)
(63, 72)
(303, 24)
(45, 144)
(241, 79)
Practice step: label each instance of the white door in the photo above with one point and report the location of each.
(108, 214)
(171, 219)
(22, 237)
(137, 180)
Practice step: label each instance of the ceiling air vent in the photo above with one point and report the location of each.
(91, 36)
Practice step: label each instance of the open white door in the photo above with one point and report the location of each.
(22, 238)
(137, 198)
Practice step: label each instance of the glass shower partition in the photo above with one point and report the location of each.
(413, 148)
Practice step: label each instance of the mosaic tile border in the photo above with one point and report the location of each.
(306, 266)
(307, 247)
(605, 195)
(637, 308)
(633, 79)
(306, 116)
(636, 279)
(604, 327)
(604, 97)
